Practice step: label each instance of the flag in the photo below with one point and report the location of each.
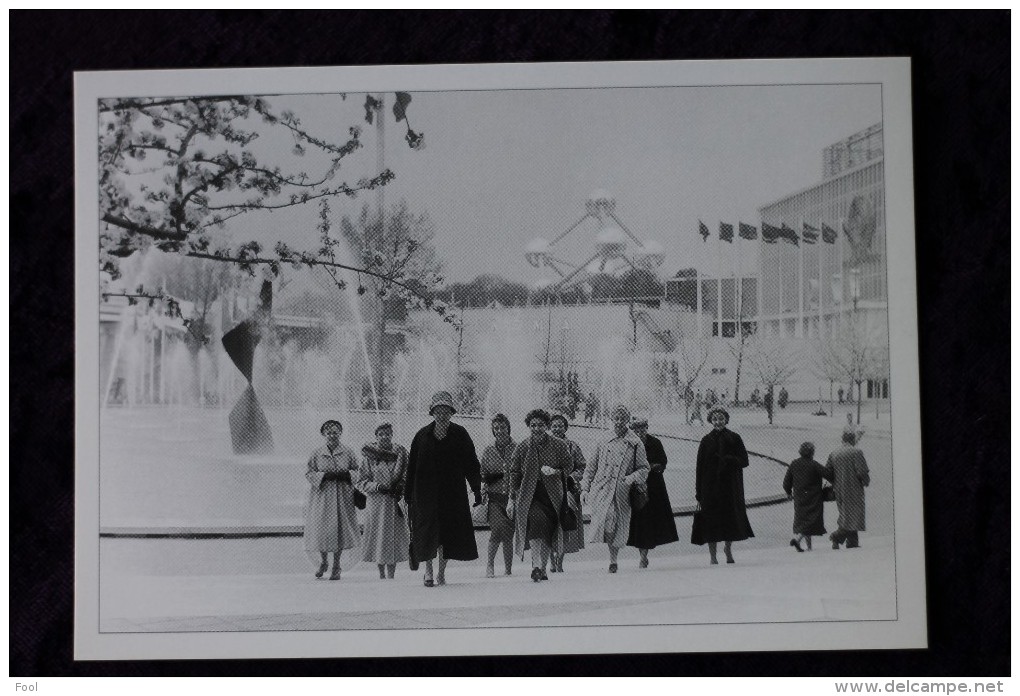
(789, 235)
(829, 235)
(769, 233)
(703, 231)
(810, 234)
(400, 105)
(748, 231)
(726, 232)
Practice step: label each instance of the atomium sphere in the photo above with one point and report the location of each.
(600, 202)
(650, 256)
(611, 242)
(537, 251)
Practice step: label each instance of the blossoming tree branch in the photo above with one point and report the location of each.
(174, 171)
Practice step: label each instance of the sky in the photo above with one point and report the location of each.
(501, 168)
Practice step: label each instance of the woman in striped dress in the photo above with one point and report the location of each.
(382, 480)
(495, 468)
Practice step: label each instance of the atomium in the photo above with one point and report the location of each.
(616, 249)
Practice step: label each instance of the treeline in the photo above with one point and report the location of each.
(487, 289)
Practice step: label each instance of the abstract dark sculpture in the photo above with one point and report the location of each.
(249, 429)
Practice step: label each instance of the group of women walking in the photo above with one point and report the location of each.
(537, 492)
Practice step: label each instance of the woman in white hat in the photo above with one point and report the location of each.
(442, 457)
(331, 525)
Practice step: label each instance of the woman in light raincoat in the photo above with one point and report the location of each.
(331, 524)
(619, 463)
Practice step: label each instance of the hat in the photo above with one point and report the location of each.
(442, 399)
(721, 409)
(638, 422)
(322, 428)
(619, 408)
(381, 426)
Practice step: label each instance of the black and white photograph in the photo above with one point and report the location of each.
(497, 360)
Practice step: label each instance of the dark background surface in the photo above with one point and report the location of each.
(960, 73)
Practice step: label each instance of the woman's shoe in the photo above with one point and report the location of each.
(612, 567)
(440, 579)
(796, 544)
(335, 575)
(490, 572)
(322, 569)
(429, 582)
(536, 574)
(544, 576)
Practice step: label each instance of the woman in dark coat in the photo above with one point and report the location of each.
(719, 488)
(653, 524)
(803, 483)
(573, 540)
(538, 471)
(442, 456)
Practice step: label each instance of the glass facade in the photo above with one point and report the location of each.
(804, 284)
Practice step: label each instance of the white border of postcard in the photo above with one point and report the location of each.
(908, 631)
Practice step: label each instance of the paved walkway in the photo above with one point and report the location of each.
(267, 585)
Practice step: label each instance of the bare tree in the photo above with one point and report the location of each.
(198, 281)
(738, 347)
(825, 365)
(856, 352)
(691, 355)
(773, 362)
(398, 247)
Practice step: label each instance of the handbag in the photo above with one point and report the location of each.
(568, 518)
(412, 562)
(698, 527)
(638, 491)
(359, 498)
(828, 494)
(638, 495)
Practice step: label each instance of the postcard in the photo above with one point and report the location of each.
(497, 360)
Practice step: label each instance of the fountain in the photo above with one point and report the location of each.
(170, 461)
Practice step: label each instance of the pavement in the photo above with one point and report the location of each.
(267, 584)
(253, 583)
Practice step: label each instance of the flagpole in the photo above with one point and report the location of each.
(738, 304)
(718, 287)
(800, 282)
(761, 273)
(782, 305)
(697, 300)
(820, 243)
(842, 271)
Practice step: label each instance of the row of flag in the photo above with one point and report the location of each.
(771, 234)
